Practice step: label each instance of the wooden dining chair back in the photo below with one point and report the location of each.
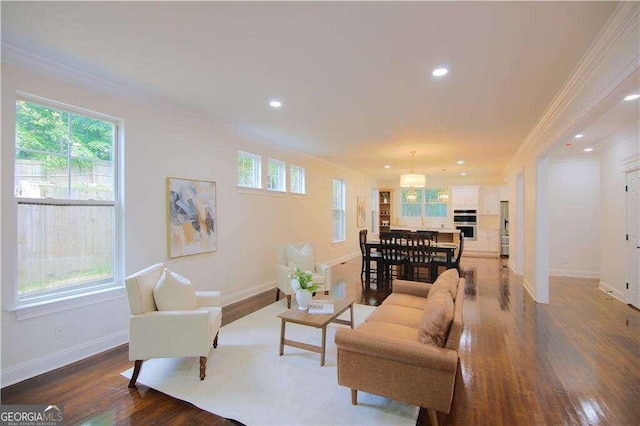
(430, 235)
(393, 255)
(419, 257)
(438, 261)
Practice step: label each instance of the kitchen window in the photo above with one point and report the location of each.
(426, 205)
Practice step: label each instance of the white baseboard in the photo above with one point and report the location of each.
(477, 253)
(246, 293)
(574, 273)
(512, 266)
(603, 286)
(344, 258)
(50, 362)
(527, 286)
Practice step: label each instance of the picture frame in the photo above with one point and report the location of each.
(192, 217)
(361, 211)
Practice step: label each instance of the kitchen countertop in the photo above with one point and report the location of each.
(443, 230)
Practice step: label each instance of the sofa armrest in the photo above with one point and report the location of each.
(414, 353)
(208, 298)
(411, 287)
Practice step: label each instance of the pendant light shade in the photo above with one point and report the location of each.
(443, 195)
(413, 180)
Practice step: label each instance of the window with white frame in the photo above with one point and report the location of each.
(426, 204)
(276, 175)
(338, 210)
(297, 184)
(249, 170)
(375, 218)
(66, 191)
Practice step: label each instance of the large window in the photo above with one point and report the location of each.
(297, 185)
(338, 210)
(66, 193)
(276, 175)
(249, 170)
(427, 204)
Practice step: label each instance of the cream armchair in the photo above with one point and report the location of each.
(301, 255)
(169, 334)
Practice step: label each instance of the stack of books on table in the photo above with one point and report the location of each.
(320, 307)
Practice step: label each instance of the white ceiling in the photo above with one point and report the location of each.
(354, 78)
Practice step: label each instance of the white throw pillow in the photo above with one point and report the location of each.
(302, 258)
(173, 292)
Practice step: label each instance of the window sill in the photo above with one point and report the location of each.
(339, 242)
(27, 310)
(250, 191)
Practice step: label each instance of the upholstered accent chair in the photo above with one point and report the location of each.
(300, 255)
(158, 330)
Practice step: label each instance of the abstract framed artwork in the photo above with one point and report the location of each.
(192, 222)
(361, 211)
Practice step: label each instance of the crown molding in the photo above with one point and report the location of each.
(552, 125)
(13, 55)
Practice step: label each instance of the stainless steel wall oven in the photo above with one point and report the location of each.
(466, 221)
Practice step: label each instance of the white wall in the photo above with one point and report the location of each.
(162, 140)
(574, 217)
(613, 220)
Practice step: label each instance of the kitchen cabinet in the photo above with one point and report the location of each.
(385, 198)
(489, 201)
(489, 240)
(464, 197)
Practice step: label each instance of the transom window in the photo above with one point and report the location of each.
(66, 192)
(249, 170)
(276, 175)
(297, 176)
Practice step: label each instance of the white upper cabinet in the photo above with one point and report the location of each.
(464, 197)
(489, 201)
(504, 192)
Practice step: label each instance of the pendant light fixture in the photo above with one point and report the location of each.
(413, 180)
(443, 194)
(411, 196)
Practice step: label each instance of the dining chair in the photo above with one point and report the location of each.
(430, 235)
(367, 257)
(393, 255)
(419, 255)
(438, 261)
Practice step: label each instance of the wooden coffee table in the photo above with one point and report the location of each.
(296, 316)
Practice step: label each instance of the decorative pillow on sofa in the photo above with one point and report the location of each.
(436, 320)
(302, 258)
(173, 292)
(447, 281)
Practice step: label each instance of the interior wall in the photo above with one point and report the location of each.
(163, 140)
(574, 217)
(613, 220)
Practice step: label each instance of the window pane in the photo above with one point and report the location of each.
(433, 207)
(63, 245)
(276, 175)
(411, 209)
(297, 179)
(338, 210)
(249, 170)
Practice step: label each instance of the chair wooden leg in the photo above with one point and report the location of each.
(326, 292)
(215, 341)
(354, 396)
(288, 301)
(136, 370)
(277, 294)
(203, 367)
(432, 416)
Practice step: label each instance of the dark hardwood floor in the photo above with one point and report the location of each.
(573, 361)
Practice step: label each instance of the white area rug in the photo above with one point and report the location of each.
(247, 380)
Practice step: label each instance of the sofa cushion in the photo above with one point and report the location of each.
(407, 300)
(173, 292)
(302, 258)
(395, 314)
(395, 331)
(436, 319)
(447, 281)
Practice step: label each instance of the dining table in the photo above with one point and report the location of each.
(446, 248)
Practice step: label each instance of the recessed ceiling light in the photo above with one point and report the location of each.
(463, 174)
(386, 166)
(631, 97)
(439, 72)
(460, 161)
(275, 103)
(588, 149)
(578, 136)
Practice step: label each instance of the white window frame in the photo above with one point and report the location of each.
(423, 203)
(299, 187)
(338, 217)
(72, 296)
(255, 178)
(277, 183)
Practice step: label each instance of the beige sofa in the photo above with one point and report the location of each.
(406, 349)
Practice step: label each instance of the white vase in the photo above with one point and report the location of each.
(303, 297)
